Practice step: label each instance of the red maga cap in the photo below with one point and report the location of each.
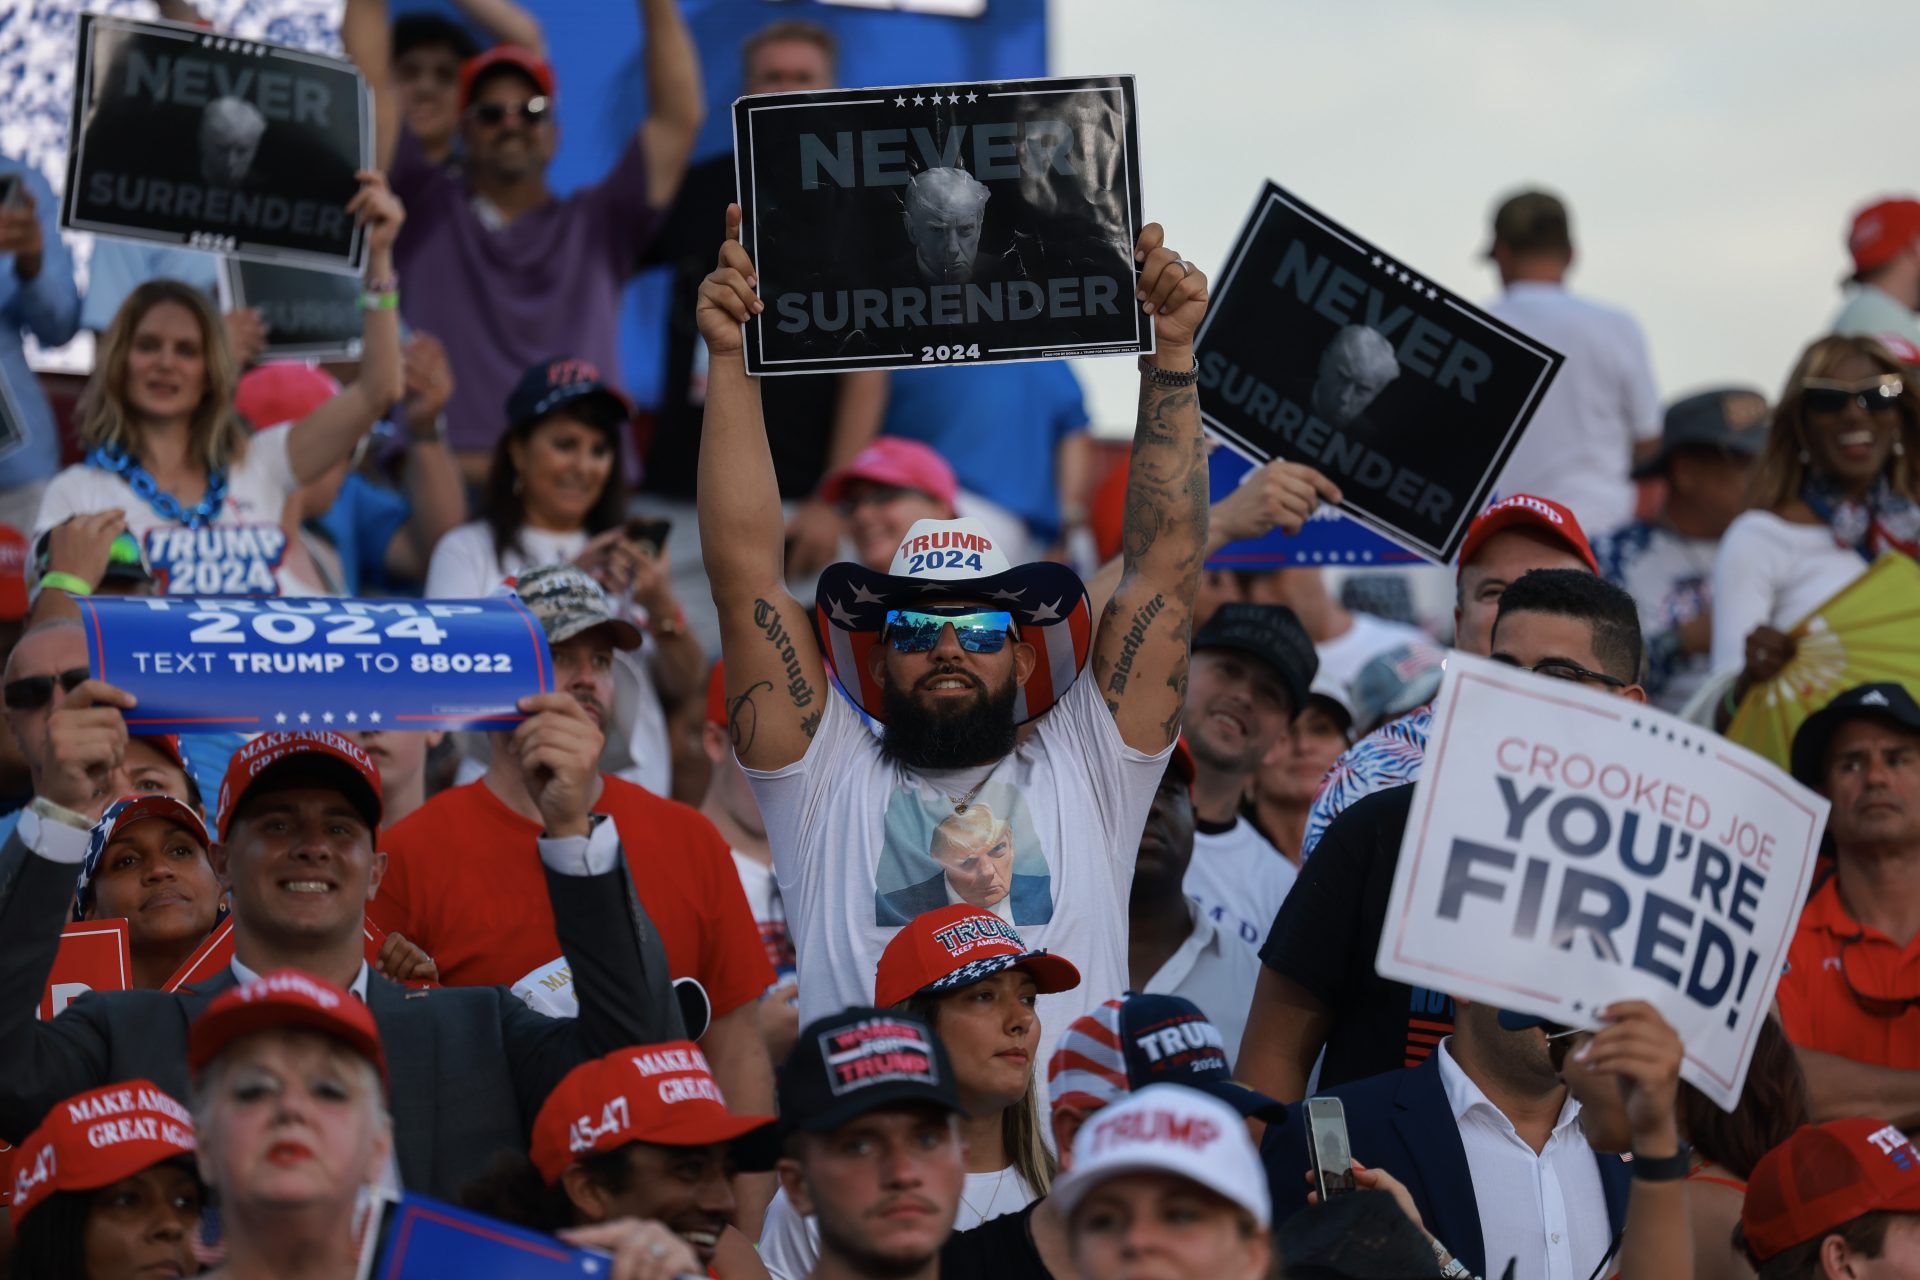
(13, 574)
(96, 1138)
(659, 1093)
(285, 998)
(359, 778)
(954, 947)
(1881, 230)
(1543, 516)
(1826, 1175)
(526, 61)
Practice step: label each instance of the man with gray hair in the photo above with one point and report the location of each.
(1354, 369)
(944, 210)
(230, 133)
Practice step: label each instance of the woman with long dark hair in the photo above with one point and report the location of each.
(166, 446)
(1837, 486)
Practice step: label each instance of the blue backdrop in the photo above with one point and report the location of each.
(597, 57)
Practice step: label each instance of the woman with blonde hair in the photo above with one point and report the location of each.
(170, 459)
(1836, 487)
(967, 974)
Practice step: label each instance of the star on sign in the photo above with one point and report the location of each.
(953, 98)
(1004, 594)
(863, 596)
(900, 101)
(1376, 259)
(919, 101)
(279, 717)
(1433, 293)
(1045, 613)
(326, 717)
(353, 717)
(305, 718)
(972, 96)
(839, 614)
(374, 716)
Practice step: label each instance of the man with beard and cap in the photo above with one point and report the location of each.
(953, 652)
(460, 882)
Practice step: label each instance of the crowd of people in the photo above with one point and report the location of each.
(852, 911)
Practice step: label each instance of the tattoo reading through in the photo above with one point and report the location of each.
(1131, 642)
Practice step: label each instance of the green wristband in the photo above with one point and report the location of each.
(72, 584)
(387, 301)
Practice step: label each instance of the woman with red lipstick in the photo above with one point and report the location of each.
(165, 445)
(1838, 485)
(289, 1095)
(967, 974)
(106, 1189)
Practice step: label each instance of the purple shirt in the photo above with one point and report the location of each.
(547, 284)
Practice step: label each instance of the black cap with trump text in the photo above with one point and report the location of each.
(860, 1060)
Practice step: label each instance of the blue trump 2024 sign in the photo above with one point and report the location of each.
(202, 665)
(425, 1239)
(1328, 538)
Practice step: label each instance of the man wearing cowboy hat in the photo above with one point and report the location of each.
(952, 652)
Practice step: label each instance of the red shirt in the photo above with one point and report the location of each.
(464, 881)
(1818, 1010)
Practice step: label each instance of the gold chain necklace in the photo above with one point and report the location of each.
(960, 803)
(993, 1195)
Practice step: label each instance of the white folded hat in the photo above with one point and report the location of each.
(1168, 1128)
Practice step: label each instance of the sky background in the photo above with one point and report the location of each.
(1711, 153)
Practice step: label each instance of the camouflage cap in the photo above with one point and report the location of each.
(568, 602)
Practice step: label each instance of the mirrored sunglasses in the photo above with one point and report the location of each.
(918, 630)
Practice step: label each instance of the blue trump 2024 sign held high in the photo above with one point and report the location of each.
(250, 665)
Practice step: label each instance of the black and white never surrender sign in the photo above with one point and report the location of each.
(185, 137)
(1321, 348)
(312, 315)
(941, 224)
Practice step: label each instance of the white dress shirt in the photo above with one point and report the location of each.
(1548, 1209)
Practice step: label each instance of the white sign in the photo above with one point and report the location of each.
(1566, 849)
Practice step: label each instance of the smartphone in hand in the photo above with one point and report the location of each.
(1327, 1147)
(649, 533)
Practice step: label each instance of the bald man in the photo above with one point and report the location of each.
(944, 210)
(975, 851)
(1354, 369)
(230, 133)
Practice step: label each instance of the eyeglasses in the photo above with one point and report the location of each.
(878, 495)
(30, 693)
(918, 630)
(1561, 669)
(532, 111)
(1876, 1006)
(1875, 395)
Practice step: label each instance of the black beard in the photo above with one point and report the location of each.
(920, 737)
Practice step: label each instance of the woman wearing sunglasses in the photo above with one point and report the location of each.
(1836, 487)
(166, 447)
(967, 974)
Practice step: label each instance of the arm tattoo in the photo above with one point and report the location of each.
(1131, 642)
(766, 616)
(743, 718)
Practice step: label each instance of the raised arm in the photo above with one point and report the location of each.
(506, 22)
(368, 40)
(327, 435)
(677, 104)
(776, 683)
(1140, 652)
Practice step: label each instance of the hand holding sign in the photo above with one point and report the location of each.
(559, 749)
(727, 295)
(247, 335)
(86, 742)
(1279, 495)
(375, 207)
(1172, 290)
(404, 962)
(81, 546)
(1638, 1046)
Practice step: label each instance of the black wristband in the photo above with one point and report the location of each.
(1664, 1168)
(1156, 376)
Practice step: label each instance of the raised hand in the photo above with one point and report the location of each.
(86, 743)
(1171, 290)
(1638, 1046)
(559, 747)
(727, 296)
(1279, 495)
(375, 206)
(429, 381)
(81, 545)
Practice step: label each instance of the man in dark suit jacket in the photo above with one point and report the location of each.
(1403, 1122)
(1032, 900)
(297, 820)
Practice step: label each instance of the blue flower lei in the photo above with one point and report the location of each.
(165, 505)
